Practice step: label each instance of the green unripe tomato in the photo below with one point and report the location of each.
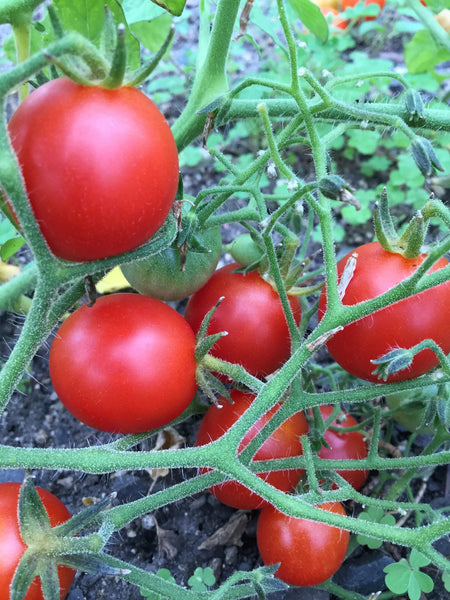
(160, 276)
(412, 406)
(244, 250)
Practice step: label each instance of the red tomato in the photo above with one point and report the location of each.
(124, 365)
(345, 445)
(100, 167)
(12, 546)
(251, 313)
(284, 442)
(401, 325)
(309, 552)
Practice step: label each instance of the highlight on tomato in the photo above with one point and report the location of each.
(100, 167)
(309, 552)
(125, 364)
(344, 445)
(12, 546)
(282, 443)
(400, 325)
(252, 315)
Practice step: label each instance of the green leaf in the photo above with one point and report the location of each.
(422, 54)
(175, 7)
(10, 247)
(424, 581)
(312, 17)
(417, 559)
(152, 34)
(140, 10)
(446, 580)
(397, 576)
(365, 142)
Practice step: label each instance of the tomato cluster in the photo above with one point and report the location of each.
(282, 443)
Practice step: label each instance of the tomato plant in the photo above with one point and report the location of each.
(282, 443)
(100, 167)
(251, 313)
(344, 445)
(309, 552)
(160, 275)
(12, 546)
(401, 325)
(125, 364)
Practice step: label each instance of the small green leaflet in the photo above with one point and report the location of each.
(312, 17)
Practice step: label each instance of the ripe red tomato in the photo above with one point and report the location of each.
(12, 546)
(284, 442)
(345, 445)
(251, 313)
(124, 365)
(100, 167)
(309, 552)
(401, 325)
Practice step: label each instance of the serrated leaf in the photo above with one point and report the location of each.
(312, 17)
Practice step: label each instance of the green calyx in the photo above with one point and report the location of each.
(410, 243)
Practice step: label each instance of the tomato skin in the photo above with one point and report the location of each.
(100, 167)
(345, 445)
(309, 552)
(124, 365)
(160, 276)
(401, 325)
(12, 546)
(251, 313)
(284, 442)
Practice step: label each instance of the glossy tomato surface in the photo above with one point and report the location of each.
(160, 275)
(284, 442)
(124, 365)
(252, 314)
(12, 546)
(401, 325)
(100, 167)
(309, 552)
(344, 445)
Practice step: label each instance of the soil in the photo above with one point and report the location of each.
(179, 536)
